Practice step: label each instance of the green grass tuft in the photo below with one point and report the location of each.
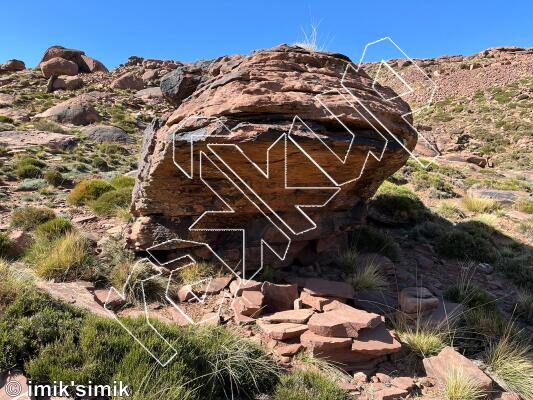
(28, 218)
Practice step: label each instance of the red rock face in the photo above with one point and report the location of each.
(248, 148)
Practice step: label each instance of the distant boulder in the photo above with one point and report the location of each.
(59, 66)
(12, 66)
(106, 134)
(85, 63)
(67, 83)
(128, 80)
(77, 111)
(92, 65)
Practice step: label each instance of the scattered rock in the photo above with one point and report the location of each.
(283, 331)
(128, 81)
(24, 139)
(501, 196)
(315, 302)
(149, 93)
(284, 349)
(403, 382)
(214, 286)
(448, 360)
(324, 288)
(249, 304)
(322, 344)
(279, 297)
(376, 342)
(294, 316)
(417, 300)
(78, 293)
(342, 323)
(91, 65)
(185, 293)
(238, 286)
(106, 134)
(67, 83)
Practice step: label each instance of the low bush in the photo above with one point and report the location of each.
(524, 205)
(100, 164)
(398, 203)
(122, 181)
(480, 204)
(423, 341)
(28, 218)
(526, 227)
(53, 177)
(28, 172)
(53, 229)
(450, 211)
(518, 267)
(459, 386)
(53, 341)
(108, 203)
(465, 292)
(509, 358)
(484, 323)
(307, 384)
(112, 148)
(28, 160)
(48, 126)
(368, 277)
(524, 305)
(65, 258)
(5, 244)
(468, 240)
(369, 240)
(88, 190)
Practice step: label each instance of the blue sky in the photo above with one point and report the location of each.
(112, 30)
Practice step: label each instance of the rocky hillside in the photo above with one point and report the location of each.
(401, 273)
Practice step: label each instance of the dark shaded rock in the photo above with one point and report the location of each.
(106, 134)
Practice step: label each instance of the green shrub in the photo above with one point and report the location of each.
(53, 341)
(100, 164)
(369, 240)
(28, 160)
(53, 229)
(524, 205)
(518, 267)
(5, 244)
(65, 258)
(28, 171)
(109, 202)
(31, 185)
(6, 120)
(308, 384)
(468, 240)
(398, 204)
(122, 181)
(88, 190)
(524, 305)
(112, 148)
(28, 218)
(53, 177)
(48, 126)
(466, 293)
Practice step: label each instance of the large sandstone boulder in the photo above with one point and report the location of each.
(249, 104)
(58, 66)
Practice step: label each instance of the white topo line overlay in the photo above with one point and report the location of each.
(282, 226)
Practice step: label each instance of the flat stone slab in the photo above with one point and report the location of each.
(295, 316)
(344, 321)
(323, 287)
(417, 300)
(323, 343)
(376, 342)
(214, 286)
(315, 302)
(76, 293)
(449, 360)
(238, 286)
(24, 139)
(283, 331)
